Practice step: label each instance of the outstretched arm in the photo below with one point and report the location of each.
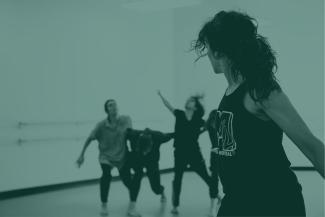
(165, 137)
(81, 158)
(91, 137)
(166, 103)
(131, 133)
(281, 111)
(160, 137)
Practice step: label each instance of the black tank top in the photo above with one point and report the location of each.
(187, 132)
(249, 154)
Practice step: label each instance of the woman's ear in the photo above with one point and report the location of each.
(218, 55)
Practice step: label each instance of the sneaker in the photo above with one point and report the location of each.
(104, 211)
(163, 198)
(133, 213)
(174, 211)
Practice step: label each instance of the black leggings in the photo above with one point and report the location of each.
(197, 163)
(153, 174)
(126, 177)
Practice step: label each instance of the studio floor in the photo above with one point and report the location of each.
(84, 200)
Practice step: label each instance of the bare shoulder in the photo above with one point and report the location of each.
(276, 98)
(258, 109)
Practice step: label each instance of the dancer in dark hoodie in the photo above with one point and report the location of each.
(145, 145)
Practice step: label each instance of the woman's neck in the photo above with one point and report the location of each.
(189, 114)
(232, 82)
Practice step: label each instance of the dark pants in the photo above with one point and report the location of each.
(152, 168)
(196, 162)
(281, 203)
(126, 177)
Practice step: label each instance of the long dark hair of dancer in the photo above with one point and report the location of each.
(235, 36)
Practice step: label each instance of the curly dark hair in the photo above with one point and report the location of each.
(200, 111)
(234, 35)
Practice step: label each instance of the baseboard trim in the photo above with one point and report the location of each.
(42, 189)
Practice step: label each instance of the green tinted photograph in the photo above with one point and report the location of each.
(162, 108)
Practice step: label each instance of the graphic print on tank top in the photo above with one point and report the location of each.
(221, 133)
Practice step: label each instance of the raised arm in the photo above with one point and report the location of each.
(166, 103)
(281, 111)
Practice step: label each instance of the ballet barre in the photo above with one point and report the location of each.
(55, 139)
(22, 124)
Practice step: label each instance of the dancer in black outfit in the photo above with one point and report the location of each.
(247, 128)
(188, 127)
(145, 145)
